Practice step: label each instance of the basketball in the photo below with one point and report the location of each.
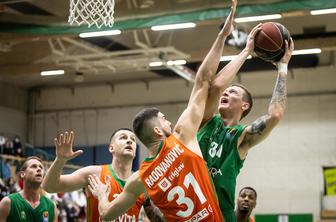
(270, 41)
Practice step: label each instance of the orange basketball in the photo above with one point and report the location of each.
(270, 41)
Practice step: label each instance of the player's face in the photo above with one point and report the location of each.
(123, 143)
(34, 172)
(247, 200)
(165, 124)
(231, 99)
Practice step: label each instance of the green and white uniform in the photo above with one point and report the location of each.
(219, 148)
(22, 211)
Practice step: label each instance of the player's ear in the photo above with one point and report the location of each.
(110, 148)
(245, 106)
(158, 131)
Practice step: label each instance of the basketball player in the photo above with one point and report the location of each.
(175, 176)
(122, 147)
(223, 140)
(246, 202)
(29, 204)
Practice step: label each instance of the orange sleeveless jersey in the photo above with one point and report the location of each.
(116, 187)
(178, 183)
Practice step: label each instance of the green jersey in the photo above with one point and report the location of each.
(22, 211)
(219, 148)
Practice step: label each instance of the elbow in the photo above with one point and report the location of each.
(276, 116)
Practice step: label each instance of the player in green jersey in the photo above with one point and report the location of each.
(224, 142)
(29, 205)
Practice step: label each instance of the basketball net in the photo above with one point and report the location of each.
(92, 12)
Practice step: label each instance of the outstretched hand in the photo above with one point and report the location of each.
(289, 51)
(250, 38)
(63, 146)
(228, 25)
(99, 189)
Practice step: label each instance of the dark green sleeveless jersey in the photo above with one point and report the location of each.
(219, 148)
(22, 211)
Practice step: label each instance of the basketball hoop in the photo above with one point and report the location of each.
(92, 12)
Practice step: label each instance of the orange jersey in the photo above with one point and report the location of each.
(116, 187)
(178, 183)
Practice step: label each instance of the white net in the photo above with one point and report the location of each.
(92, 12)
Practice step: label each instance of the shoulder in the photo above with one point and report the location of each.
(5, 205)
(5, 200)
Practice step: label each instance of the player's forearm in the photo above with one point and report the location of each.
(279, 98)
(152, 212)
(51, 182)
(210, 63)
(110, 210)
(226, 75)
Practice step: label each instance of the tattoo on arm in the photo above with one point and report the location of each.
(279, 94)
(258, 125)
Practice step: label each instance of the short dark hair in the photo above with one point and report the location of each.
(249, 188)
(117, 130)
(247, 97)
(141, 121)
(25, 162)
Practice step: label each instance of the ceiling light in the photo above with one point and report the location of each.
(155, 64)
(176, 62)
(307, 51)
(173, 26)
(102, 33)
(258, 18)
(231, 57)
(52, 72)
(323, 11)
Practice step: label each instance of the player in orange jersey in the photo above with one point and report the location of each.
(122, 147)
(175, 177)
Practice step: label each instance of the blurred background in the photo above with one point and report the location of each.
(104, 81)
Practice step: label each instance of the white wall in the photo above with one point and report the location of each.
(13, 122)
(13, 107)
(285, 169)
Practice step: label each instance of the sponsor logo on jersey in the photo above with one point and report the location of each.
(23, 215)
(200, 215)
(164, 184)
(164, 165)
(45, 216)
(124, 218)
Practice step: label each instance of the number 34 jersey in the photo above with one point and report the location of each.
(178, 183)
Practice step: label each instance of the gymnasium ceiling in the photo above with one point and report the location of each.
(35, 36)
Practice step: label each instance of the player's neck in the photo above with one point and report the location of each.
(154, 146)
(243, 217)
(230, 118)
(123, 168)
(31, 195)
(230, 121)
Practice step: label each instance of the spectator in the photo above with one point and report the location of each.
(17, 146)
(9, 147)
(6, 169)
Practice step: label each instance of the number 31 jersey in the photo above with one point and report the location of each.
(178, 183)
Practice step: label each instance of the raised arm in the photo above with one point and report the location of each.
(262, 127)
(226, 75)
(111, 210)
(54, 181)
(189, 122)
(212, 59)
